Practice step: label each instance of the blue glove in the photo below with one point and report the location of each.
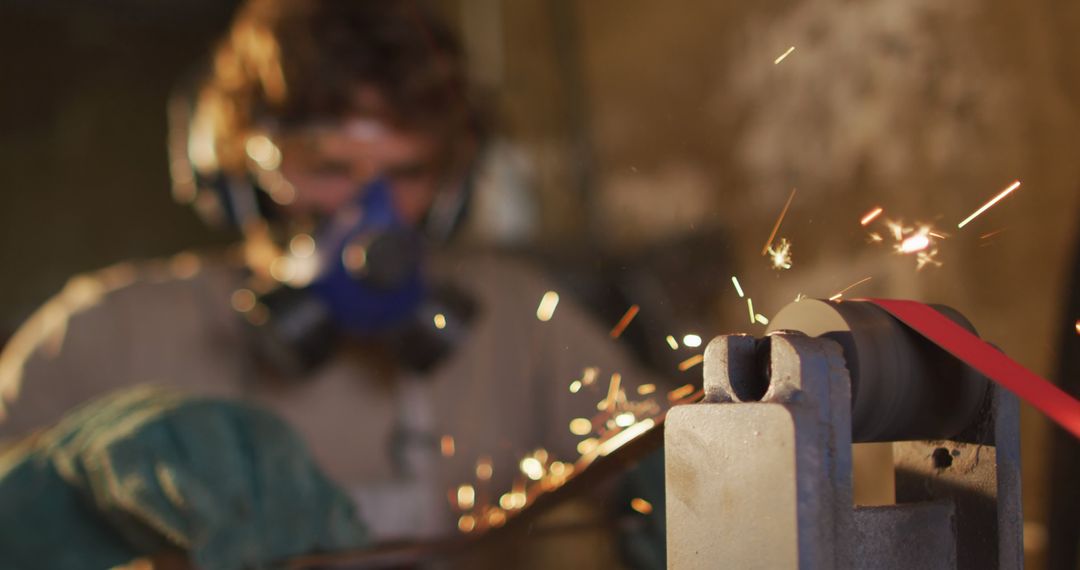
(146, 470)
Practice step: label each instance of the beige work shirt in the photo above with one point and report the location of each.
(502, 394)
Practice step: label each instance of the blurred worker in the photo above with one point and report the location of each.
(337, 136)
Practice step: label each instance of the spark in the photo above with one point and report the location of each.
(532, 468)
(914, 243)
(466, 523)
(761, 319)
(484, 468)
(989, 235)
(580, 426)
(989, 204)
(624, 322)
(646, 389)
(466, 497)
(783, 55)
(440, 321)
(589, 375)
(302, 245)
(1077, 326)
(243, 300)
(618, 440)
(735, 280)
(674, 344)
(612, 393)
(559, 469)
(691, 362)
(926, 258)
(780, 220)
(548, 302)
(496, 518)
(848, 288)
(641, 505)
(680, 392)
(692, 340)
(625, 419)
(587, 446)
(781, 256)
(446, 445)
(871, 216)
(575, 386)
(750, 306)
(919, 240)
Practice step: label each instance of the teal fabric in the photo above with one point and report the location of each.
(147, 469)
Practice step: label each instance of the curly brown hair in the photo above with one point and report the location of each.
(286, 63)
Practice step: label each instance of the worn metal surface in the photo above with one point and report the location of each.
(731, 487)
(905, 537)
(759, 473)
(903, 386)
(763, 484)
(982, 480)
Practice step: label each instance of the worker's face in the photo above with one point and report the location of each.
(330, 165)
(328, 168)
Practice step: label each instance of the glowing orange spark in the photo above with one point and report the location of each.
(580, 426)
(612, 393)
(624, 321)
(680, 392)
(618, 440)
(917, 242)
(532, 468)
(447, 445)
(587, 446)
(848, 288)
(780, 220)
(783, 55)
(466, 497)
(989, 204)
(641, 505)
(871, 215)
(496, 518)
(781, 255)
(484, 468)
(691, 362)
(1077, 326)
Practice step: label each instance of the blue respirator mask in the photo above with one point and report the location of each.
(369, 284)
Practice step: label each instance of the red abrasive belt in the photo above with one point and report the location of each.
(992, 363)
